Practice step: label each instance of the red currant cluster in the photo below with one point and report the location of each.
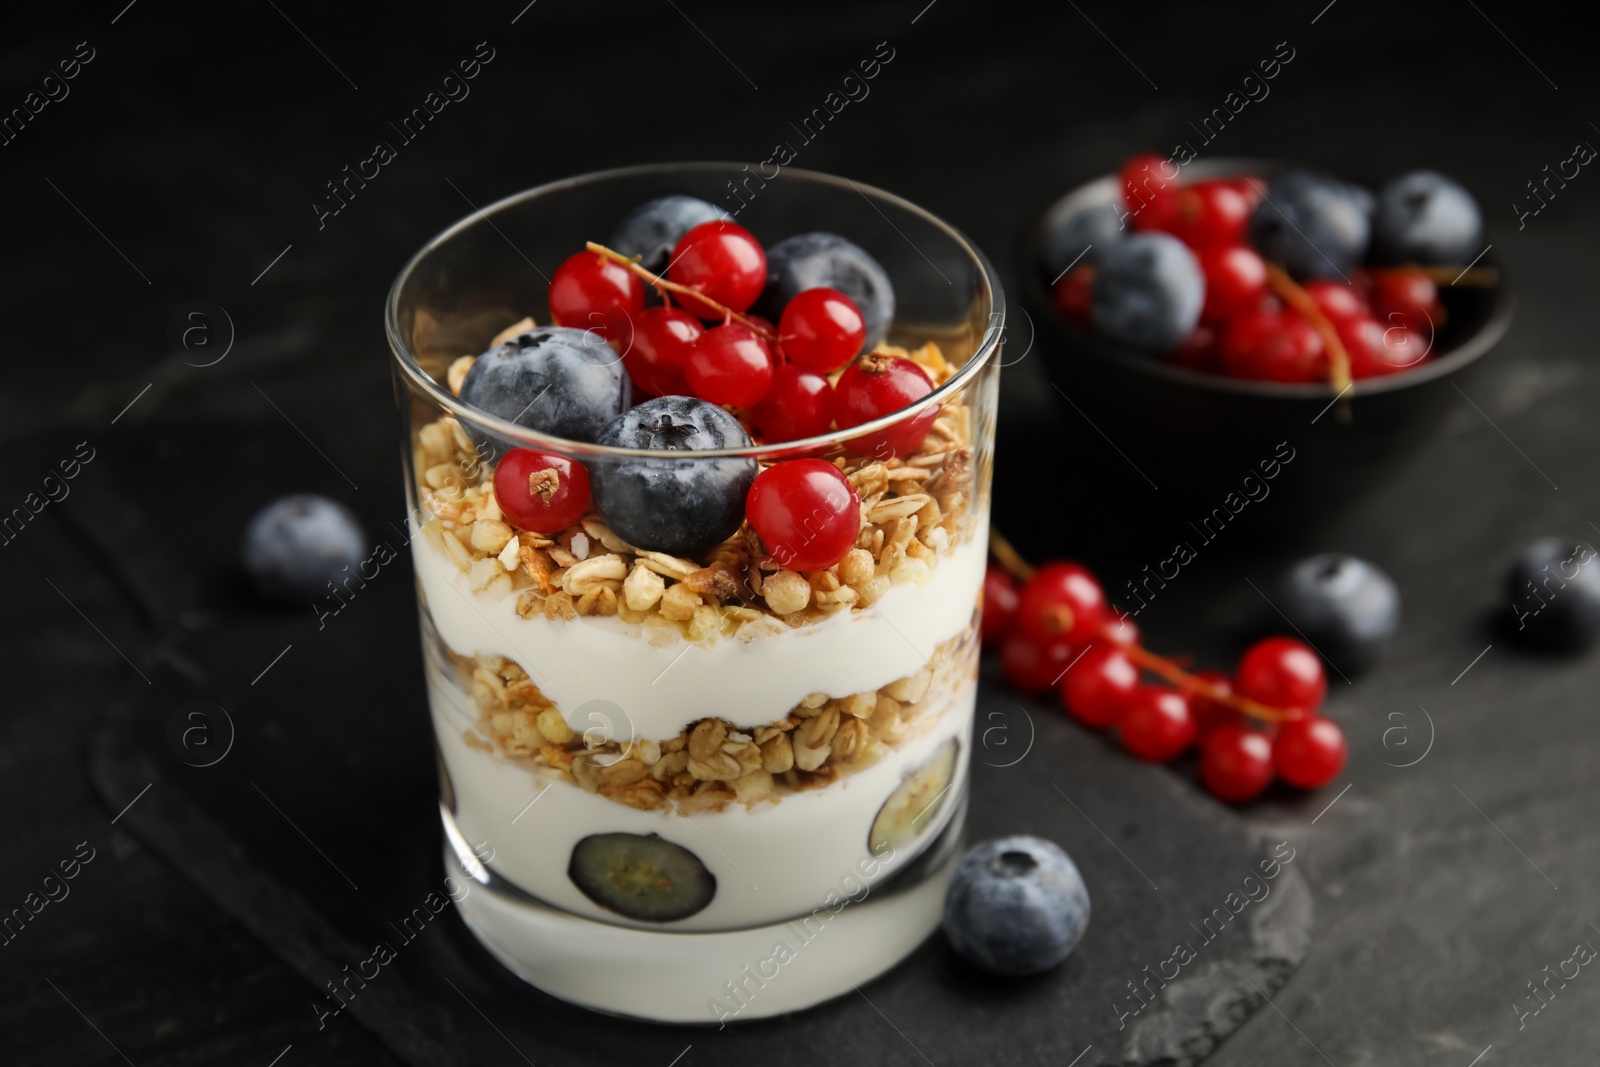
(1056, 630)
(784, 379)
(1256, 322)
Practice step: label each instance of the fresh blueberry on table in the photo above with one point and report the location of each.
(826, 260)
(1555, 594)
(1016, 905)
(1313, 224)
(555, 379)
(297, 544)
(1424, 217)
(1148, 290)
(1344, 606)
(676, 504)
(1081, 238)
(652, 230)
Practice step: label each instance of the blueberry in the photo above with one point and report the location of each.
(641, 876)
(560, 381)
(1555, 594)
(1147, 292)
(1424, 217)
(1313, 224)
(652, 230)
(297, 544)
(814, 260)
(1082, 237)
(1016, 905)
(678, 506)
(1346, 607)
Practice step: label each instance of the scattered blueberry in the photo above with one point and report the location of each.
(1081, 238)
(554, 379)
(816, 260)
(1313, 224)
(1147, 294)
(680, 506)
(297, 544)
(652, 229)
(1555, 594)
(1346, 607)
(1016, 905)
(1424, 217)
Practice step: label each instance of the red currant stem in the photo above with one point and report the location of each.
(1009, 557)
(1296, 297)
(662, 285)
(1471, 278)
(1183, 679)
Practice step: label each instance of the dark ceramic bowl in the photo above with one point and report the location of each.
(1187, 439)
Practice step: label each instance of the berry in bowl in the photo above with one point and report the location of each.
(701, 506)
(1201, 314)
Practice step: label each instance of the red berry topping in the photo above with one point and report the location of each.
(1071, 294)
(1236, 279)
(1338, 301)
(1100, 685)
(1157, 725)
(661, 341)
(821, 330)
(1062, 602)
(1211, 714)
(1030, 666)
(724, 262)
(1209, 213)
(799, 404)
(877, 385)
(1236, 763)
(999, 604)
(1309, 752)
(1274, 347)
(807, 513)
(541, 492)
(592, 292)
(729, 365)
(1406, 298)
(1282, 672)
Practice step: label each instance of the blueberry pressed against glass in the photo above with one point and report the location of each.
(554, 379)
(641, 876)
(1148, 291)
(1346, 607)
(1016, 905)
(1313, 224)
(653, 229)
(297, 544)
(826, 260)
(676, 504)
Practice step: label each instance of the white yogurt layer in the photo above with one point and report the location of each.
(771, 862)
(659, 690)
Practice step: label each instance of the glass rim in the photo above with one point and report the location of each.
(406, 361)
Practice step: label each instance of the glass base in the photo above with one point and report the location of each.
(706, 977)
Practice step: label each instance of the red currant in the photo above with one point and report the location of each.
(1282, 672)
(1149, 188)
(1236, 763)
(1236, 279)
(999, 604)
(822, 330)
(1281, 347)
(722, 261)
(1252, 188)
(1406, 298)
(1030, 666)
(1199, 351)
(661, 343)
(877, 385)
(799, 404)
(541, 492)
(1157, 724)
(1309, 752)
(1071, 296)
(1209, 213)
(1099, 685)
(1062, 602)
(1338, 301)
(1212, 714)
(591, 292)
(1363, 341)
(729, 365)
(1402, 349)
(806, 512)
(1121, 630)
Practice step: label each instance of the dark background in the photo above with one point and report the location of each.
(191, 148)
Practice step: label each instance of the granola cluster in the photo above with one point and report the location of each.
(712, 763)
(913, 509)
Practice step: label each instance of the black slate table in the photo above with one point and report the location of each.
(188, 158)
